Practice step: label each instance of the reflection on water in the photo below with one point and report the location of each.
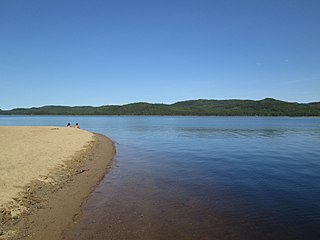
(203, 178)
(245, 133)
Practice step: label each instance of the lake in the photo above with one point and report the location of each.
(201, 177)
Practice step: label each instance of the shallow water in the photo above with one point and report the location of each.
(202, 178)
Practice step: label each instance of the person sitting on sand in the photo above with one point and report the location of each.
(68, 125)
(76, 126)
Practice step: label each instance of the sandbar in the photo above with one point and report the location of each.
(46, 174)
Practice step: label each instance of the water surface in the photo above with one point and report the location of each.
(202, 178)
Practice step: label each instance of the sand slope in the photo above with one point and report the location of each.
(45, 175)
(30, 152)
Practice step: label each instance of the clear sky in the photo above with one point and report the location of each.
(101, 52)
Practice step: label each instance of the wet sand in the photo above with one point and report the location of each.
(46, 174)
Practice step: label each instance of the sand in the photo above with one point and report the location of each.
(46, 174)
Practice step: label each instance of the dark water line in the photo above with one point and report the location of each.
(131, 203)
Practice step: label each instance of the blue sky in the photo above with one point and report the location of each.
(102, 52)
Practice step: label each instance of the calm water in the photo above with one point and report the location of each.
(202, 178)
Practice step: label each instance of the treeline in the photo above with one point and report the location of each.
(265, 107)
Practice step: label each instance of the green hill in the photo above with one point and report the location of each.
(201, 107)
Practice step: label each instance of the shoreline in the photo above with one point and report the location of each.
(46, 206)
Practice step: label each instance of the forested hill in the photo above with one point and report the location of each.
(265, 107)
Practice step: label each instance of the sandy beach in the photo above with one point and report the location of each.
(46, 174)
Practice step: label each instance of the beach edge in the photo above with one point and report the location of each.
(53, 208)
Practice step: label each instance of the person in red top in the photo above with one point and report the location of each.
(76, 126)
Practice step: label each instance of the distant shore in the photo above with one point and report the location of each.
(201, 107)
(46, 174)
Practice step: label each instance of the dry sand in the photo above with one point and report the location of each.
(46, 173)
